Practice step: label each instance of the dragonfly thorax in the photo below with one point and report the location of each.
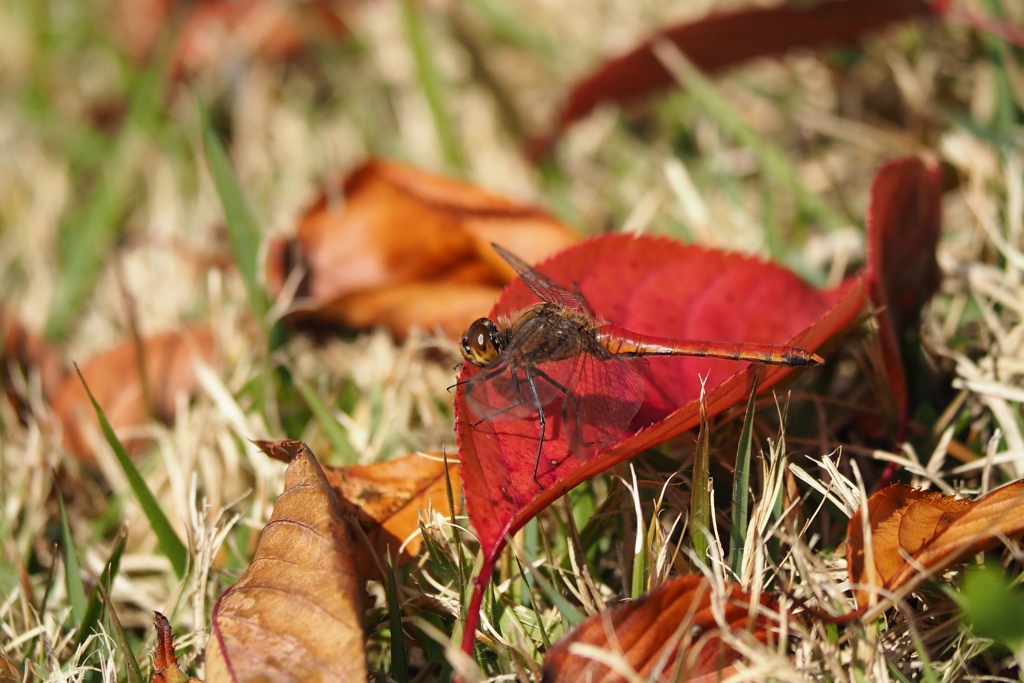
(482, 343)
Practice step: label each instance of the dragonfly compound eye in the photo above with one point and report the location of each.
(481, 343)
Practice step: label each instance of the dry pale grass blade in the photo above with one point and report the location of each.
(915, 532)
(296, 613)
(676, 630)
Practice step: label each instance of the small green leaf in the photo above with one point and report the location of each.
(993, 606)
(172, 547)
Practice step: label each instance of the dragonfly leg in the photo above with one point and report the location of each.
(540, 374)
(541, 420)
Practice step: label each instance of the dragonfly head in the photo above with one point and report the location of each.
(482, 343)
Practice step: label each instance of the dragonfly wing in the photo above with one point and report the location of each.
(606, 397)
(545, 288)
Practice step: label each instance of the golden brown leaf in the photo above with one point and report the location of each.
(678, 615)
(394, 245)
(387, 498)
(296, 613)
(115, 381)
(935, 531)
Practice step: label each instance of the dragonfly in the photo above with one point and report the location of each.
(556, 358)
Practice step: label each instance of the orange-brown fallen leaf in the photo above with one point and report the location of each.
(386, 499)
(297, 612)
(165, 664)
(676, 619)
(115, 379)
(218, 33)
(21, 348)
(393, 245)
(933, 530)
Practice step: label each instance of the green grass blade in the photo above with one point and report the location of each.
(171, 546)
(92, 613)
(568, 611)
(334, 432)
(700, 496)
(642, 563)
(741, 486)
(399, 661)
(430, 81)
(773, 160)
(243, 230)
(89, 231)
(72, 570)
(132, 664)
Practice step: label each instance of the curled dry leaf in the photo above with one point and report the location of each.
(671, 631)
(165, 664)
(115, 378)
(393, 245)
(296, 613)
(723, 40)
(933, 530)
(386, 498)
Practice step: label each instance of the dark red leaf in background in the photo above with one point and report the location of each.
(722, 40)
(655, 286)
(904, 222)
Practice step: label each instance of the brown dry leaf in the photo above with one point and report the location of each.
(296, 613)
(165, 664)
(115, 380)
(393, 245)
(677, 615)
(935, 531)
(387, 498)
(219, 32)
(31, 353)
(8, 671)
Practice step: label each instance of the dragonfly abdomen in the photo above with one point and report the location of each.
(621, 341)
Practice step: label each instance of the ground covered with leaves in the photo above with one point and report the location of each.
(260, 228)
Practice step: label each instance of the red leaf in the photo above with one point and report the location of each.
(676, 621)
(722, 40)
(659, 287)
(904, 221)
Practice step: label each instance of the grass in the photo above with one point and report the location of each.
(773, 159)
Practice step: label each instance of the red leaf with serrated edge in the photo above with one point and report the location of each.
(653, 286)
(904, 222)
(723, 40)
